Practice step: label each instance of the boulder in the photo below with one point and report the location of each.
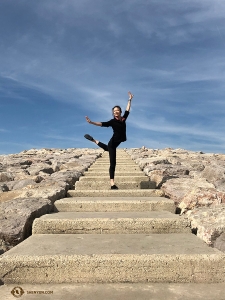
(17, 215)
(177, 188)
(19, 184)
(4, 188)
(213, 173)
(6, 176)
(37, 168)
(68, 176)
(200, 197)
(220, 242)
(163, 173)
(208, 223)
(48, 189)
(6, 196)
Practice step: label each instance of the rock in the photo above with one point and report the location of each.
(6, 176)
(193, 180)
(4, 246)
(4, 188)
(213, 173)
(26, 162)
(208, 222)
(163, 173)
(6, 196)
(69, 176)
(69, 165)
(201, 196)
(18, 173)
(220, 185)
(46, 189)
(153, 161)
(56, 166)
(220, 242)
(178, 188)
(16, 217)
(19, 184)
(36, 169)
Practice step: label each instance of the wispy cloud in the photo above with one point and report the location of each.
(161, 125)
(81, 57)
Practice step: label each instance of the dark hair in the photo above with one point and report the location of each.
(117, 107)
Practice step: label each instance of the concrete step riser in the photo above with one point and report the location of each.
(102, 165)
(128, 162)
(112, 226)
(106, 159)
(105, 258)
(99, 204)
(118, 168)
(117, 158)
(117, 173)
(116, 193)
(116, 269)
(104, 185)
(118, 178)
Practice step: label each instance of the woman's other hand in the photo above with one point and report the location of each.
(87, 119)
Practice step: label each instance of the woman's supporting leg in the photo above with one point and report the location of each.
(112, 158)
(111, 148)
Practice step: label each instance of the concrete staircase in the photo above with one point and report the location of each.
(98, 235)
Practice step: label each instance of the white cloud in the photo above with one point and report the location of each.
(161, 125)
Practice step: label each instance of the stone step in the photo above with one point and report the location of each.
(102, 258)
(118, 155)
(128, 162)
(116, 193)
(120, 159)
(118, 291)
(104, 185)
(94, 173)
(104, 204)
(111, 222)
(118, 168)
(106, 164)
(117, 159)
(119, 178)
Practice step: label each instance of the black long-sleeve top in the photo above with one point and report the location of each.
(119, 127)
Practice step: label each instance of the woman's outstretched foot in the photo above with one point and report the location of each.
(89, 137)
(114, 187)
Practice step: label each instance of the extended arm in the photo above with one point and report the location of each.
(129, 101)
(94, 123)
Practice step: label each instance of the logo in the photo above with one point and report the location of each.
(17, 292)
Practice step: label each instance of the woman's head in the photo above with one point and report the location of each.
(116, 111)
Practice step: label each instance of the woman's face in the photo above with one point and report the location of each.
(116, 112)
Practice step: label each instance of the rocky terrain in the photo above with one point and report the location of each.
(31, 181)
(195, 181)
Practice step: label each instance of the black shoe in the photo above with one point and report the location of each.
(114, 187)
(88, 137)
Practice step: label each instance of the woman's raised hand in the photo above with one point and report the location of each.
(130, 95)
(87, 119)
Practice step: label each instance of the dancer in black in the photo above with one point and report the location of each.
(118, 125)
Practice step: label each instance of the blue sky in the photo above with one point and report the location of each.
(62, 60)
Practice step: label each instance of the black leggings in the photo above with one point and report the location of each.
(111, 147)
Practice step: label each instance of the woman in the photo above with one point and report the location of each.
(118, 125)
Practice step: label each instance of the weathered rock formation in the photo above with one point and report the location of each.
(196, 183)
(31, 181)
